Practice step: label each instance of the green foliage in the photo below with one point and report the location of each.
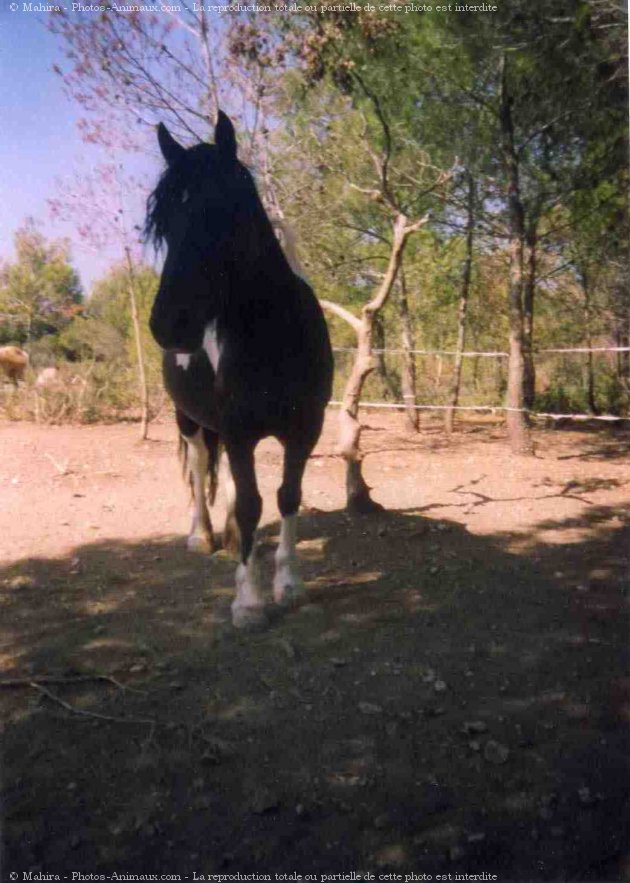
(422, 91)
(40, 292)
(96, 357)
(425, 91)
(105, 331)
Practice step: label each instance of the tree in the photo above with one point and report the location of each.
(377, 208)
(105, 331)
(40, 292)
(98, 204)
(312, 91)
(125, 74)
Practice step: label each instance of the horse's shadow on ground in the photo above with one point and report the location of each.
(434, 702)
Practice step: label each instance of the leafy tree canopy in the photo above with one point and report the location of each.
(40, 292)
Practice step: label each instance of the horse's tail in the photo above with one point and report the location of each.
(214, 448)
(213, 444)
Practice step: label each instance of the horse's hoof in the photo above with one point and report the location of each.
(288, 594)
(249, 618)
(197, 543)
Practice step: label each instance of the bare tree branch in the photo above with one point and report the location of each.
(341, 313)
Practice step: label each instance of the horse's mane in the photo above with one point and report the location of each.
(192, 166)
(160, 203)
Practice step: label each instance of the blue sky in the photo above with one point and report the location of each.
(39, 141)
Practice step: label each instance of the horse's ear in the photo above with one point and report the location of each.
(225, 137)
(171, 150)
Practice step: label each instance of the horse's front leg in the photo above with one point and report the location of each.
(248, 606)
(287, 584)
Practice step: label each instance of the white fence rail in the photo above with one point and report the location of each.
(493, 354)
(492, 409)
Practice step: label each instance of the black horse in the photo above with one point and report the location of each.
(247, 353)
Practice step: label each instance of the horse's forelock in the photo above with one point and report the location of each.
(159, 205)
(188, 173)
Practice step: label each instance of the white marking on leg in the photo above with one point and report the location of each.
(211, 344)
(228, 485)
(182, 360)
(200, 536)
(248, 608)
(287, 585)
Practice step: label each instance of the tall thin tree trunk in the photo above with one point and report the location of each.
(463, 307)
(499, 375)
(142, 377)
(623, 339)
(212, 98)
(439, 365)
(529, 293)
(381, 365)
(408, 368)
(590, 368)
(517, 425)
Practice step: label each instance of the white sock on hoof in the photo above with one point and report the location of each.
(248, 608)
(287, 584)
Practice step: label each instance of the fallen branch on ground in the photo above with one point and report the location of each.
(95, 715)
(73, 679)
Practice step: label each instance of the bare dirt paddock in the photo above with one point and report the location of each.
(451, 697)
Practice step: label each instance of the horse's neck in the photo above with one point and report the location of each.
(289, 246)
(259, 255)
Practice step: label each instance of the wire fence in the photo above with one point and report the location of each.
(495, 353)
(409, 402)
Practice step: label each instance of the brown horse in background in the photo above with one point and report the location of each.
(14, 362)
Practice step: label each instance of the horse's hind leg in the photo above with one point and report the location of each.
(197, 461)
(287, 584)
(248, 606)
(231, 533)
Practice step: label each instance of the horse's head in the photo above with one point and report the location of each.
(202, 210)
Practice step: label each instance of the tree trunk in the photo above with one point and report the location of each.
(499, 375)
(408, 368)
(358, 497)
(517, 425)
(529, 293)
(389, 388)
(463, 308)
(439, 365)
(142, 377)
(212, 100)
(623, 339)
(590, 369)
(358, 493)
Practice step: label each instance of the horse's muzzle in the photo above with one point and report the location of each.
(175, 330)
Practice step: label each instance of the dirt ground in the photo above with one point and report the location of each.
(450, 697)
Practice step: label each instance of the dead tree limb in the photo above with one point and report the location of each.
(357, 491)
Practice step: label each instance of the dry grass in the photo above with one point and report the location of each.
(82, 393)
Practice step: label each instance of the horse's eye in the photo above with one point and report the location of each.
(185, 196)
